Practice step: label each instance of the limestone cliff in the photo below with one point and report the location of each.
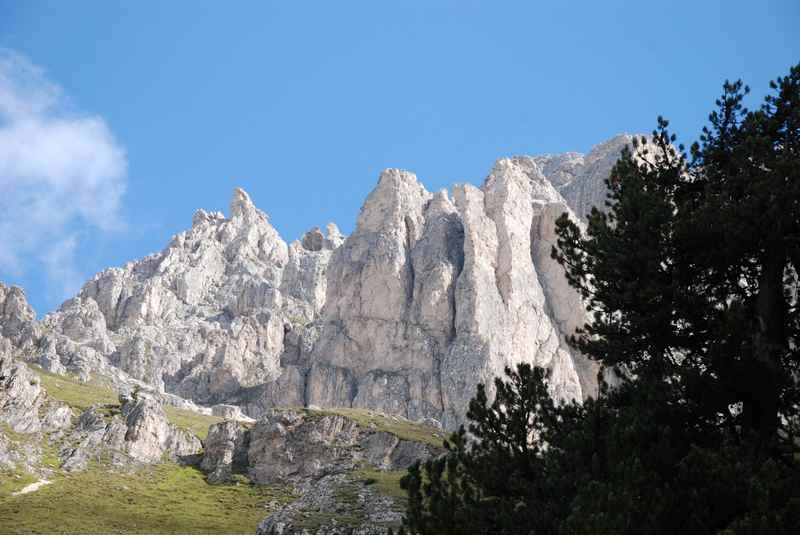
(581, 178)
(431, 294)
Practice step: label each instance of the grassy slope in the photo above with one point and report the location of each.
(17, 478)
(166, 499)
(191, 421)
(81, 396)
(387, 482)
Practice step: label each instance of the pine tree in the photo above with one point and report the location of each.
(494, 482)
(691, 276)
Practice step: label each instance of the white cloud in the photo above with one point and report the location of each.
(60, 171)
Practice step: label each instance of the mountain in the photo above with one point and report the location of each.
(579, 178)
(315, 371)
(431, 294)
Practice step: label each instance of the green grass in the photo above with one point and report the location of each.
(14, 480)
(73, 392)
(401, 428)
(191, 421)
(80, 396)
(348, 514)
(386, 482)
(165, 499)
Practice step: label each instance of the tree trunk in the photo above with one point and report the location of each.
(760, 412)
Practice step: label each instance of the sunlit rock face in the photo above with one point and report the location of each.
(430, 295)
(139, 435)
(204, 318)
(25, 407)
(291, 446)
(19, 330)
(581, 178)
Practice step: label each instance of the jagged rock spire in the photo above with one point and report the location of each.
(430, 295)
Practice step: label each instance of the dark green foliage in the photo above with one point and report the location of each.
(493, 484)
(691, 277)
(626, 463)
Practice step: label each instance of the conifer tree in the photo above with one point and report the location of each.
(691, 277)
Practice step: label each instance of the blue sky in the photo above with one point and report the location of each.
(154, 109)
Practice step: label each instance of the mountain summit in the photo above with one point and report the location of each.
(432, 294)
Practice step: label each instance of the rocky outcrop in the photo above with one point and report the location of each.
(27, 414)
(328, 458)
(18, 457)
(295, 446)
(19, 331)
(203, 319)
(7, 457)
(24, 404)
(225, 451)
(337, 504)
(431, 294)
(230, 412)
(138, 435)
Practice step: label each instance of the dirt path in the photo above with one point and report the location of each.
(33, 487)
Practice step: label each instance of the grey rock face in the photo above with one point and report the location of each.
(25, 408)
(581, 178)
(322, 506)
(431, 294)
(17, 320)
(139, 435)
(18, 456)
(7, 457)
(429, 297)
(316, 453)
(24, 405)
(204, 318)
(225, 451)
(293, 446)
(230, 412)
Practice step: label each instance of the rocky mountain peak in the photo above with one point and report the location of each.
(429, 296)
(580, 179)
(241, 206)
(523, 169)
(396, 202)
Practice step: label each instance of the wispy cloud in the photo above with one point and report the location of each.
(61, 171)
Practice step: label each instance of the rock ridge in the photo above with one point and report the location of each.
(431, 294)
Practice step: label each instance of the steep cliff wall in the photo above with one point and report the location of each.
(431, 294)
